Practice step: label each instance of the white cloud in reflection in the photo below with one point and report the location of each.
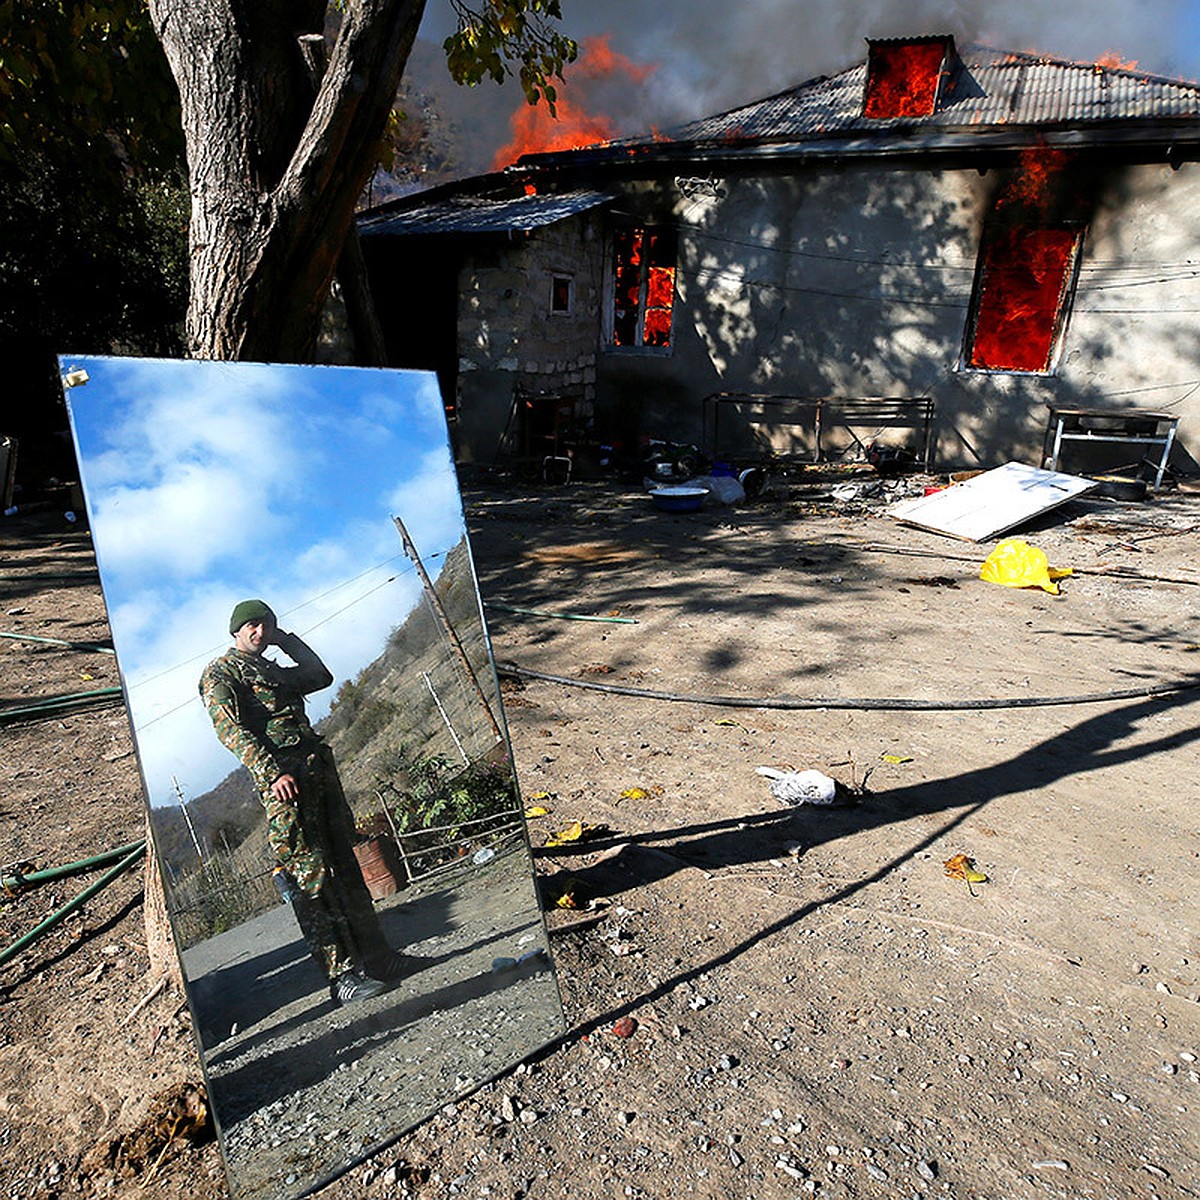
(208, 483)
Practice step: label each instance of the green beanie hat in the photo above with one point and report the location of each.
(249, 610)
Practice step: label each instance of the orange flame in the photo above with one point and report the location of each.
(1038, 168)
(1025, 272)
(1111, 60)
(535, 131)
(903, 80)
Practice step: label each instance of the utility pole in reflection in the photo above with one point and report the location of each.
(187, 817)
(440, 613)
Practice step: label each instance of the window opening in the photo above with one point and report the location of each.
(903, 77)
(643, 286)
(560, 294)
(1022, 289)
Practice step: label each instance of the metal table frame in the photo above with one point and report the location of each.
(1072, 425)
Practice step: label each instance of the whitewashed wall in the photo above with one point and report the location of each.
(851, 281)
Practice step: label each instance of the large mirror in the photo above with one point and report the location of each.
(315, 708)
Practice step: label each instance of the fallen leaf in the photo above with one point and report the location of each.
(561, 891)
(536, 810)
(641, 793)
(963, 867)
(896, 758)
(575, 832)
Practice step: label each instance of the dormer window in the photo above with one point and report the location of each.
(903, 77)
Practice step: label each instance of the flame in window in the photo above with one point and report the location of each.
(643, 286)
(1039, 179)
(1023, 286)
(902, 79)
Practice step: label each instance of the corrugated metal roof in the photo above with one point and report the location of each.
(984, 88)
(991, 99)
(479, 214)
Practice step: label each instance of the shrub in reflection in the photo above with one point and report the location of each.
(220, 895)
(446, 810)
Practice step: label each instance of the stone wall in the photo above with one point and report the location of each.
(528, 325)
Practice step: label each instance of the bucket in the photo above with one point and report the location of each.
(376, 867)
(752, 480)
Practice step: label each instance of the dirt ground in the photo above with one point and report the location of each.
(817, 1007)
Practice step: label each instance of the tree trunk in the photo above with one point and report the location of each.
(275, 174)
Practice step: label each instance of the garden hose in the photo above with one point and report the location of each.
(60, 915)
(47, 641)
(561, 616)
(50, 705)
(20, 881)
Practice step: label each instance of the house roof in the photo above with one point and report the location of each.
(988, 98)
(989, 101)
(983, 87)
(478, 214)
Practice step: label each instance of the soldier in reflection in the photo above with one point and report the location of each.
(257, 709)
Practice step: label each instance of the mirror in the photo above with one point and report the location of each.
(318, 724)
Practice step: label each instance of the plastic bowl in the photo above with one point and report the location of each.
(679, 499)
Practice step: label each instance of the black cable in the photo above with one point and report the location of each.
(804, 702)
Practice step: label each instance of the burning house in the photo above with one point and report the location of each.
(954, 240)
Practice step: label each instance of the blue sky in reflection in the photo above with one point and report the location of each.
(211, 482)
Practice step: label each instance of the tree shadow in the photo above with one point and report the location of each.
(1091, 745)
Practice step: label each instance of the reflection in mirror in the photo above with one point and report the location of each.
(318, 724)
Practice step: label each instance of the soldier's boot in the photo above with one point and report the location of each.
(351, 986)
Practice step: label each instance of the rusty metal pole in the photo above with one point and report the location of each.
(440, 613)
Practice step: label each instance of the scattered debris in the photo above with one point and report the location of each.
(178, 1118)
(990, 504)
(801, 787)
(946, 581)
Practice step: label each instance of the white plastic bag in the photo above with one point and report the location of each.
(800, 787)
(724, 489)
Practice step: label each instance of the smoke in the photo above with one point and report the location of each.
(709, 56)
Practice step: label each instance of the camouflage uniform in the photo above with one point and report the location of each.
(257, 708)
